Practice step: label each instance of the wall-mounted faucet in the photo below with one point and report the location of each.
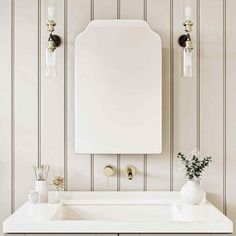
(130, 172)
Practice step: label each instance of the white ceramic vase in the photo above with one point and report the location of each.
(192, 193)
(56, 198)
(42, 188)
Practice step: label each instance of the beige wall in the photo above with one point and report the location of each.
(36, 116)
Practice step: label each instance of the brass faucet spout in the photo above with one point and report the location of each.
(130, 175)
(130, 172)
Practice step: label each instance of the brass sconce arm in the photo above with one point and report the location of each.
(186, 42)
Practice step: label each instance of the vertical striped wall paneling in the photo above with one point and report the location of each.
(37, 116)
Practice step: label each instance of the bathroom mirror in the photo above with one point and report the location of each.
(118, 88)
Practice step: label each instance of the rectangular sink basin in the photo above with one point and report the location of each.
(117, 212)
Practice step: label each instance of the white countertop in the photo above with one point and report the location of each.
(40, 218)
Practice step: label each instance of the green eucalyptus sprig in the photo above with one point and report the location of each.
(194, 164)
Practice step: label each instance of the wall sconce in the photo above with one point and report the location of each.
(185, 41)
(53, 42)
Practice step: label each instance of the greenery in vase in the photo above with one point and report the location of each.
(194, 164)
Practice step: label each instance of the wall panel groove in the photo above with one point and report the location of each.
(92, 156)
(198, 69)
(92, 173)
(12, 106)
(39, 82)
(118, 172)
(145, 158)
(145, 164)
(224, 106)
(92, 10)
(171, 96)
(65, 95)
(118, 9)
(118, 156)
(145, 10)
(145, 172)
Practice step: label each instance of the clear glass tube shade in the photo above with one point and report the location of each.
(50, 71)
(189, 10)
(187, 64)
(50, 10)
(51, 13)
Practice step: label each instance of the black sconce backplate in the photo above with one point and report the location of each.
(182, 39)
(56, 39)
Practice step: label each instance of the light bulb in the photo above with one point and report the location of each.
(50, 71)
(187, 64)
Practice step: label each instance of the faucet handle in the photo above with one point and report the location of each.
(130, 171)
(109, 170)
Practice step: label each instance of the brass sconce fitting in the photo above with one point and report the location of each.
(188, 45)
(186, 42)
(54, 40)
(51, 25)
(188, 25)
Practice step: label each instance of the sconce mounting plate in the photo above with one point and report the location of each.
(56, 39)
(182, 40)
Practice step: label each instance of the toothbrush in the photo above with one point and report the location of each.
(41, 173)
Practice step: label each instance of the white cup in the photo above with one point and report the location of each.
(42, 188)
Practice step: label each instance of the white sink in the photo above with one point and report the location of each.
(117, 212)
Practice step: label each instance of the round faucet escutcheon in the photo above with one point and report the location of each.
(109, 170)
